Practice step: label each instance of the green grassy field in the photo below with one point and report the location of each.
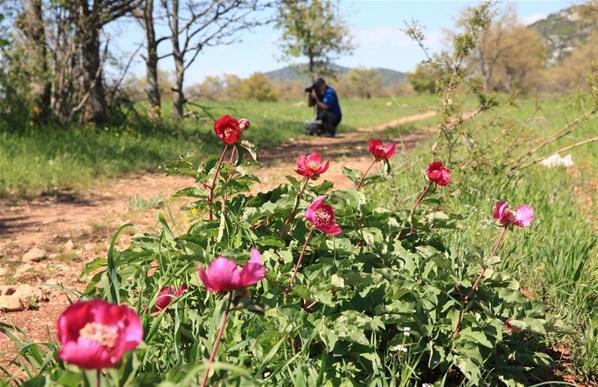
(56, 158)
(557, 258)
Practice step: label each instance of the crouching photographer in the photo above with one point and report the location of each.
(328, 109)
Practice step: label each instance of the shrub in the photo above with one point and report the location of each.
(383, 302)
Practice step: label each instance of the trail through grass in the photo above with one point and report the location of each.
(52, 158)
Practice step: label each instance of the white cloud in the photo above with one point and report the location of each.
(530, 19)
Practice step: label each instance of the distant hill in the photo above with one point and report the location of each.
(562, 32)
(298, 73)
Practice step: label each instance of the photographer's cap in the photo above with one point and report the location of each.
(319, 82)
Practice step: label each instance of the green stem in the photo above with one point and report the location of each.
(289, 218)
(365, 174)
(298, 264)
(213, 185)
(218, 339)
(417, 203)
(479, 278)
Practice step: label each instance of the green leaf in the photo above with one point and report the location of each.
(353, 174)
(113, 280)
(477, 337)
(250, 148)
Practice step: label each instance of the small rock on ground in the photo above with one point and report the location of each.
(21, 297)
(34, 255)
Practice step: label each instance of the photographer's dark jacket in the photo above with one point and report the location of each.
(330, 99)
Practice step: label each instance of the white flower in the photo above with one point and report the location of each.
(407, 331)
(399, 348)
(426, 385)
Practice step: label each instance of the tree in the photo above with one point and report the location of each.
(363, 82)
(32, 25)
(90, 18)
(507, 55)
(257, 87)
(146, 17)
(197, 25)
(425, 77)
(312, 29)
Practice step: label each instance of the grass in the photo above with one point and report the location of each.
(53, 158)
(557, 257)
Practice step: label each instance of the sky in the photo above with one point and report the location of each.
(375, 27)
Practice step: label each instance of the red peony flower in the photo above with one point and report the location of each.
(223, 274)
(166, 296)
(311, 165)
(438, 173)
(322, 216)
(380, 150)
(522, 217)
(96, 334)
(227, 129)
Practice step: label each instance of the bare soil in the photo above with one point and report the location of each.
(75, 228)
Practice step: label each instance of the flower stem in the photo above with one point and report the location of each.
(213, 185)
(500, 238)
(98, 378)
(287, 221)
(232, 155)
(218, 339)
(465, 299)
(415, 205)
(365, 174)
(298, 264)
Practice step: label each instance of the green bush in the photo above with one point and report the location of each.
(367, 308)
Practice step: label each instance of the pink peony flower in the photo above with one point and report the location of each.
(227, 129)
(522, 217)
(438, 173)
(380, 150)
(166, 296)
(96, 334)
(311, 165)
(223, 274)
(244, 124)
(322, 216)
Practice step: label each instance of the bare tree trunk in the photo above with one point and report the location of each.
(40, 85)
(151, 62)
(94, 96)
(95, 107)
(178, 98)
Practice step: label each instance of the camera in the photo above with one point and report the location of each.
(309, 89)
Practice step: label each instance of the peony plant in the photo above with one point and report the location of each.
(369, 309)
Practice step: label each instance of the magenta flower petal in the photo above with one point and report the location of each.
(223, 274)
(438, 173)
(524, 215)
(502, 214)
(95, 334)
(203, 276)
(322, 216)
(311, 165)
(310, 212)
(380, 150)
(253, 271)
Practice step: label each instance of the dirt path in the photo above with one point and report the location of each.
(74, 229)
